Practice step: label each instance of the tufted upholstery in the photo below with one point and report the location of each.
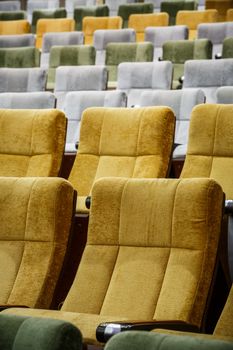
(36, 144)
(20, 26)
(140, 22)
(173, 6)
(94, 11)
(33, 237)
(150, 253)
(27, 100)
(126, 10)
(19, 57)
(22, 79)
(17, 40)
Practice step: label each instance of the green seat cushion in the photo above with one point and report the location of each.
(20, 57)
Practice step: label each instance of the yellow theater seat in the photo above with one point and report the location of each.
(229, 15)
(20, 26)
(221, 6)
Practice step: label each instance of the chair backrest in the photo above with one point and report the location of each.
(27, 100)
(210, 145)
(229, 16)
(31, 142)
(20, 26)
(33, 237)
(181, 102)
(12, 15)
(159, 35)
(22, 79)
(40, 4)
(117, 53)
(156, 3)
(70, 5)
(114, 5)
(140, 22)
(104, 36)
(136, 77)
(178, 52)
(216, 33)
(193, 18)
(221, 6)
(91, 24)
(95, 11)
(171, 7)
(107, 148)
(145, 227)
(224, 326)
(17, 40)
(76, 102)
(69, 55)
(208, 75)
(126, 10)
(224, 94)
(46, 13)
(52, 25)
(19, 57)
(227, 47)
(10, 5)
(58, 39)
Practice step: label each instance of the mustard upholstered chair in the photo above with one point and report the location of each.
(193, 18)
(140, 22)
(21, 26)
(35, 220)
(106, 148)
(91, 24)
(126, 10)
(17, 40)
(221, 6)
(19, 57)
(31, 142)
(150, 254)
(52, 25)
(27, 100)
(229, 16)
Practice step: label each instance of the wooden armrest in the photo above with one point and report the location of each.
(107, 329)
(8, 306)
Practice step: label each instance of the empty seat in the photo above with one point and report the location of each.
(224, 94)
(221, 6)
(17, 40)
(27, 100)
(20, 26)
(141, 239)
(31, 142)
(113, 5)
(12, 15)
(19, 57)
(71, 4)
(178, 52)
(104, 36)
(135, 78)
(58, 39)
(46, 13)
(227, 47)
(173, 6)
(156, 3)
(182, 102)
(216, 33)
(22, 79)
(159, 35)
(140, 22)
(91, 24)
(208, 75)
(70, 55)
(40, 4)
(126, 10)
(193, 18)
(33, 237)
(229, 16)
(117, 53)
(10, 5)
(94, 11)
(52, 25)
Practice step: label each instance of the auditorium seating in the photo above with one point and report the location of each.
(171, 7)
(17, 40)
(224, 94)
(126, 10)
(71, 4)
(46, 13)
(91, 24)
(95, 11)
(20, 26)
(19, 57)
(12, 15)
(40, 4)
(221, 6)
(27, 100)
(113, 5)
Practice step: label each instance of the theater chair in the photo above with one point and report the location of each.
(12, 15)
(171, 7)
(227, 48)
(46, 13)
(150, 257)
(27, 100)
(224, 94)
(92, 11)
(17, 40)
(40, 4)
(19, 57)
(126, 10)
(221, 6)
(20, 26)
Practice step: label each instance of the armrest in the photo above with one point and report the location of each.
(218, 56)
(8, 306)
(229, 206)
(107, 329)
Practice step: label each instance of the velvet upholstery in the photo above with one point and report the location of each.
(159, 35)
(117, 53)
(19, 57)
(150, 253)
(229, 16)
(91, 24)
(227, 48)
(221, 6)
(31, 142)
(27, 100)
(13, 5)
(12, 15)
(18, 333)
(182, 102)
(21, 26)
(208, 75)
(126, 10)
(40, 4)
(178, 52)
(173, 6)
(136, 77)
(46, 13)
(33, 237)
(22, 79)
(52, 25)
(193, 18)
(140, 22)
(69, 55)
(104, 36)
(17, 40)
(224, 94)
(93, 11)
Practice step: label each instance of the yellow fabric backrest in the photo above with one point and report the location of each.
(151, 249)
(224, 325)
(229, 16)
(128, 142)
(31, 142)
(140, 21)
(193, 18)
(45, 25)
(35, 220)
(221, 6)
(210, 145)
(90, 24)
(14, 27)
